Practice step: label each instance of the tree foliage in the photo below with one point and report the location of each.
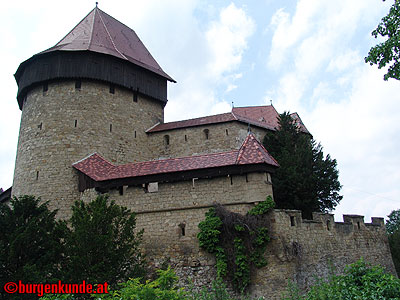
(102, 245)
(393, 230)
(359, 281)
(306, 180)
(388, 52)
(31, 243)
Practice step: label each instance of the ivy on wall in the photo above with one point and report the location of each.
(237, 241)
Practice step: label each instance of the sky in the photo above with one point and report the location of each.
(305, 56)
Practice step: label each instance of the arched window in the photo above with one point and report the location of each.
(206, 134)
(166, 140)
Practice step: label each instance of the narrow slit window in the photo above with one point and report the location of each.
(45, 87)
(328, 225)
(112, 89)
(121, 190)
(166, 140)
(37, 175)
(292, 221)
(135, 134)
(76, 123)
(206, 134)
(226, 132)
(358, 225)
(135, 95)
(185, 138)
(231, 179)
(40, 126)
(78, 84)
(247, 178)
(110, 127)
(182, 228)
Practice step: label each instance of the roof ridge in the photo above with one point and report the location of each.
(109, 35)
(242, 148)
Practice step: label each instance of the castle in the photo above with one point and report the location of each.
(93, 122)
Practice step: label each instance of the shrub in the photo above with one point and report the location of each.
(359, 281)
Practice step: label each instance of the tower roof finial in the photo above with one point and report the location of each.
(97, 3)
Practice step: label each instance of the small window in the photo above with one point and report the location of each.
(121, 190)
(76, 123)
(292, 221)
(226, 132)
(135, 95)
(135, 134)
(206, 134)
(78, 84)
(231, 180)
(110, 127)
(112, 89)
(182, 228)
(166, 140)
(40, 126)
(247, 178)
(358, 225)
(185, 138)
(328, 225)
(45, 87)
(37, 175)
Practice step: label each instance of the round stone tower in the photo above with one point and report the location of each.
(97, 90)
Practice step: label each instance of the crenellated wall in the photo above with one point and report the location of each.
(300, 250)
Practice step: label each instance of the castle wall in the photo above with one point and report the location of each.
(163, 213)
(64, 124)
(192, 140)
(300, 250)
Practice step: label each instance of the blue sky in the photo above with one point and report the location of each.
(307, 56)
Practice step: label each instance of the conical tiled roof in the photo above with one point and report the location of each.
(101, 33)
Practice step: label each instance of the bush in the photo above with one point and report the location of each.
(359, 281)
(31, 243)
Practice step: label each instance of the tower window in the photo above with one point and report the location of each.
(121, 190)
(112, 89)
(110, 127)
(135, 134)
(76, 123)
(185, 138)
(78, 84)
(40, 126)
(292, 222)
(206, 134)
(37, 175)
(135, 95)
(328, 225)
(182, 228)
(226, 132)
(166, 140)
(45, 87)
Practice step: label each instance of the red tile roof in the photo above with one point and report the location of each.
(99, 32)
(260, 116)
(251, 152)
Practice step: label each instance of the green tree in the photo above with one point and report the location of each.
(306, 180)
(359, 281)
(102, 245)
(393, 230)
(31, 243)
(388, 52)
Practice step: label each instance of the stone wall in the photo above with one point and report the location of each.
(300, 250)
(193, 141)
(65, 124)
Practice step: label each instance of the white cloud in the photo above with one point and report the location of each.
(227, 39)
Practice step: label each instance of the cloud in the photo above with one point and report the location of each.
(343, 102)
(227, 38)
